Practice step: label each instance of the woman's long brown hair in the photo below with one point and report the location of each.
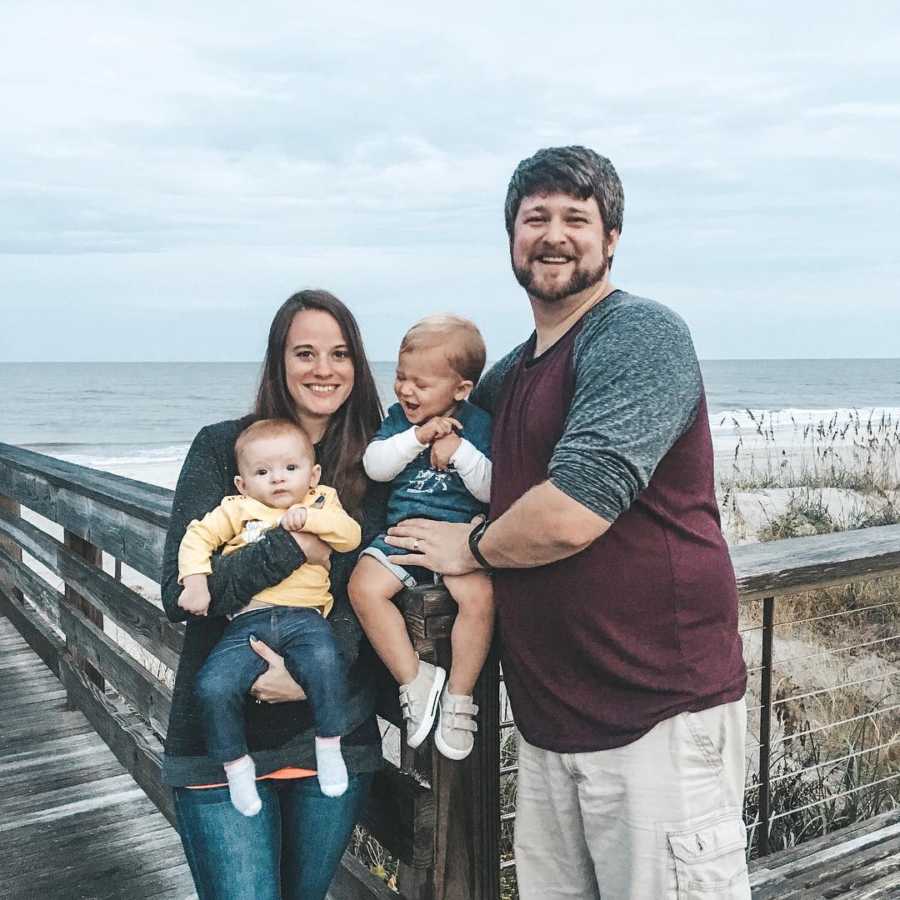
(351, 427)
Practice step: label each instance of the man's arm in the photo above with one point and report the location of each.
(544, 525)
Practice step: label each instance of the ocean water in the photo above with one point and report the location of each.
(128, 414)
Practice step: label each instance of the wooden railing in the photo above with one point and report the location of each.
(442, 820)
(438, 818)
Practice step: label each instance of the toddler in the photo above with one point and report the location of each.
(434, 447)
(278, 485)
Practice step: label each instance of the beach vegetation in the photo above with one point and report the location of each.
(806, 514)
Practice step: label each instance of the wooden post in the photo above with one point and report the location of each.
(462, 815)
(418, 883)
(765, 725)
(12, 548)
(94, 556)
(467, 796)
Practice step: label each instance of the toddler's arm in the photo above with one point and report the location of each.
(385, 459)
(204, 537)
(329, 522)
(195, 597)
(474, 468)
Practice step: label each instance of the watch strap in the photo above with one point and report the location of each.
(475, 536)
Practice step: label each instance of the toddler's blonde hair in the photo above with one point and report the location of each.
(461, 340)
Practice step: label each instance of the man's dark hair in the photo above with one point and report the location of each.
(577, 171)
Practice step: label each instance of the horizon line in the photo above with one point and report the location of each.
(229, 362)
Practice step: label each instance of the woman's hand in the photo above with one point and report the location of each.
(275, 685)
(314, 548)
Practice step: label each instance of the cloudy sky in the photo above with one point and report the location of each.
(169, 174)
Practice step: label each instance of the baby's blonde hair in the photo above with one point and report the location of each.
(461, 340)
(263, 428)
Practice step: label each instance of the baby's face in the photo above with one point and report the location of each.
(426, 386)
(277, 470)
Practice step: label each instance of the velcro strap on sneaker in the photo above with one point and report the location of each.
(460, 721)
(464, 707)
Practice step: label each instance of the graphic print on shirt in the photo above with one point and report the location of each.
(254, 530)
(428, 481)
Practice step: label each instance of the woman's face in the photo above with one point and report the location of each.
(317, 367)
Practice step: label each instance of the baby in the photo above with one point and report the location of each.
(434, 447)
(278, 484)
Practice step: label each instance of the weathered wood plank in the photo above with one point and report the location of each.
(93, 556)
(10, 507)
(73, 823)
(805, 563)
(828, 866)
(103, 872)
(467, 800)
(48, 696)
(389, 814)
(52, 776)
(127, 519)
(151, 502)
(853, 837)
(353, 881)
(143, 691)
(146, 623)
(134, 745)
(17, 810)
(40, 594)
(40, 636)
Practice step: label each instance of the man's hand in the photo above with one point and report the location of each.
(435, 428)
(294, 519)
(316, 551)
(443, 449)
(275, 685)
(195, 596)
(439, 546)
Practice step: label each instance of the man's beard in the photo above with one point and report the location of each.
(580, 280)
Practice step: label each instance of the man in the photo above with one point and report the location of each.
(616, 600)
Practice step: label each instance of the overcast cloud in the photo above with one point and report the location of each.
(169, 175)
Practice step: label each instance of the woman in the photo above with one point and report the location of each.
(315, 372)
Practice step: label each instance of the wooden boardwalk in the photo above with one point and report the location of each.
(860, 862)
(73, 822)
(74, 825)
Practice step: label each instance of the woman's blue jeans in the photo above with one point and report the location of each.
(290, 851)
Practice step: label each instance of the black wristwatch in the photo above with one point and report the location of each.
(475, 536)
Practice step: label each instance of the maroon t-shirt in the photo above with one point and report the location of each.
(641, 625)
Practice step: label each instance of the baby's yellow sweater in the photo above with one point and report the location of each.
(238, 521)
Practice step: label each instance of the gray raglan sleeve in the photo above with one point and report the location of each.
(487, 391)
(637, 390)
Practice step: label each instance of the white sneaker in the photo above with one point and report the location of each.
(419, 701)
(455, 733)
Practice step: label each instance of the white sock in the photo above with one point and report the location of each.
(330, 766)
(241, 776)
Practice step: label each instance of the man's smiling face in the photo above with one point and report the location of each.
(559, 246)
